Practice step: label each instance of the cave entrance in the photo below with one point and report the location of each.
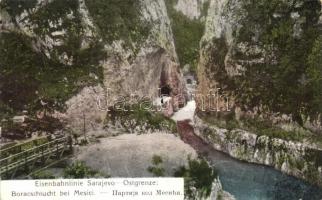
(165, 90)
(189, 81)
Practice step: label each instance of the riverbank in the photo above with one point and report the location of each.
(293, 158)
(245, 180)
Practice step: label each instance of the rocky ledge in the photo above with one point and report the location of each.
(301, 160)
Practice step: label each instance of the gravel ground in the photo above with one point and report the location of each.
(130, 155)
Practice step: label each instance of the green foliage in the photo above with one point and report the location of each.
(141, 114)
(314, 76)
(16, 58)
(16, 148)
(220, 196)
(79, 170)
(16, 7)
(289, 79)
(156, 160)
(32, 77)
(216, 65)
(83, 142)
(156, 169)
(119, 19)
(187, 35)
(261, 127)
(197, 175)
(56, 12)
(43, 175)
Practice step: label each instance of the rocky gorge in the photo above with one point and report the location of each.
(258, 63)
(262, 124)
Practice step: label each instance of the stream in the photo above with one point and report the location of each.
(244, 180)
(257, 182)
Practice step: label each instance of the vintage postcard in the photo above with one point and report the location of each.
(161, 99)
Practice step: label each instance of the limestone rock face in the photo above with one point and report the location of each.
(119, 64)
(297, 159)
(217, 192)
(153, 65)
(243, 54)
(85, 111)
(190, 8)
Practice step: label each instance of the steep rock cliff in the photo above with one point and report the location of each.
(260, 83)
(264, 57)
(102, 51)
(297, 159)
(188, 21)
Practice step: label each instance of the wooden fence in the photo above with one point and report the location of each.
(39, 155)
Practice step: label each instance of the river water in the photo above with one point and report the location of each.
(245, 181)
(256, 182)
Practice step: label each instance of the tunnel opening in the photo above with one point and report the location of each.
(189, 81)
(165, 90)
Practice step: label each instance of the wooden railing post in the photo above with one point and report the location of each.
(39, 153)
(42, 154)
(7, 168)
(25, 159)
(70, 143)
(57, 150)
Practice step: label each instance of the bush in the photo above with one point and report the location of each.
(292, 83)
(142, 116)
(119, 19)
(79, 170)
(156, 169)
(198, 175)
(43, 175)
(32, 76)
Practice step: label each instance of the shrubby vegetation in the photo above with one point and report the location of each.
(119, 19)
(17, 148)
(43, 175)
(198, 176)
(32, 76)
(76, 170)
(156, 169)
(79, 170)
(187, 34)
(261, 127)
(16, 7)
(289, 80)
(314, 77)
(140, 114)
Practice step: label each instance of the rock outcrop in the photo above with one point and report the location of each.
(191, 8)
(134, 60)
(249, 51)
(256, 63)
(293, 158)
